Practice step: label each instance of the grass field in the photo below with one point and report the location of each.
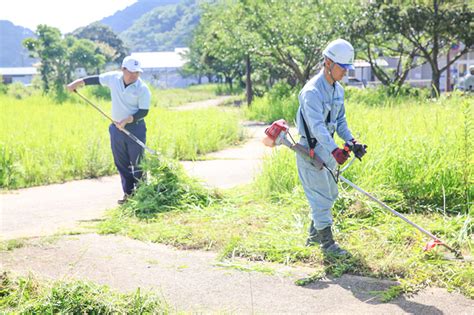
(42, 142)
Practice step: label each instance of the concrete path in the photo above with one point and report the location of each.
(234, 166)
(194, 281)
(203, 104)
(46, 210)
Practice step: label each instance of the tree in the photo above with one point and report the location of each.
(432, 27)
(294, 33)
(61, 56)
(107, 42)
(82, 53)
(268, 40)
(50, 48)
(373, 38)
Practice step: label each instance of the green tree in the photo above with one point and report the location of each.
(50, 48)
(432, 27)
(271, 40)
(60, 57)
(107, 42)
(82, 53)
(373, 38)
(295, 32)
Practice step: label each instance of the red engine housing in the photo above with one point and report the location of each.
(276, 128)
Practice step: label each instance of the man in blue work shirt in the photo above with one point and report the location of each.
(321, 113)
(130, 104)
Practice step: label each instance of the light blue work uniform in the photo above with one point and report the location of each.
(125, 101)
(318, 99)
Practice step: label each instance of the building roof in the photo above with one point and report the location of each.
(18, 71)
(364, 64)
(164, 59)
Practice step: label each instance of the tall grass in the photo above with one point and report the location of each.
(168, 97)
(418, 155)
(43, 142)
(280, 102)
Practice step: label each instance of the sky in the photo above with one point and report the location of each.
(66, 15)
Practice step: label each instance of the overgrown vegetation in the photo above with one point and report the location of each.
(417, 165)
(44, 142)
(28, 295)
(421, 162)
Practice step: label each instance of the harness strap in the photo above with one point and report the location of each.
(312, 141)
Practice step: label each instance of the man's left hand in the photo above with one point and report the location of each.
(357, 148)
(121, 124)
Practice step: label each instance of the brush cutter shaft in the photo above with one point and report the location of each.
(348, 182)
(138, 141)
(95, 106)
(317, 162)
(125, 131)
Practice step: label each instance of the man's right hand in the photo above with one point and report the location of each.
(340, 155)
(71, 87)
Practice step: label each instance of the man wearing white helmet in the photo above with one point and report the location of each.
(130, 104)
(321, 113)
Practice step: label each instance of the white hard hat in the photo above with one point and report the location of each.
(341, 52)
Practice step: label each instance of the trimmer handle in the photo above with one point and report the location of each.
(358, 149)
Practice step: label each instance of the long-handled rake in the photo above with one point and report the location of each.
(277, 135)
(125, 131)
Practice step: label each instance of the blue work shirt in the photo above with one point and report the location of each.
(318, 99)
(126, 101)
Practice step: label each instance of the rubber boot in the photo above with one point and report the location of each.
(328, 244)
(313, 235)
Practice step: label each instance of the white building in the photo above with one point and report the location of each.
(163, 69)
(18, 74)
(419, 76)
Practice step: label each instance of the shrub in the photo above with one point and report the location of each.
(18, 90)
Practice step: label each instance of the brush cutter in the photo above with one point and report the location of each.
(276, 135)
(125, 131)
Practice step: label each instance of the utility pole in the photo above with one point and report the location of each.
(448, 73)
(248, 81)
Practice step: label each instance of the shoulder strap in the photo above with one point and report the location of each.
(312, 141)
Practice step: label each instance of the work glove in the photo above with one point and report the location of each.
(358, 149)
(340, 155)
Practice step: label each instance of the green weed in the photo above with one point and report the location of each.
(30, 296)
(43, 142)
(12, 244)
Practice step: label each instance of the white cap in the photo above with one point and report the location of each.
(341, 52)
(131, 64)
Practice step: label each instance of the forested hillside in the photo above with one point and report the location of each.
(123, 19)
(12, 53)
(164, 28)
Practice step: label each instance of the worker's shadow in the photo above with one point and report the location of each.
(341, 271)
